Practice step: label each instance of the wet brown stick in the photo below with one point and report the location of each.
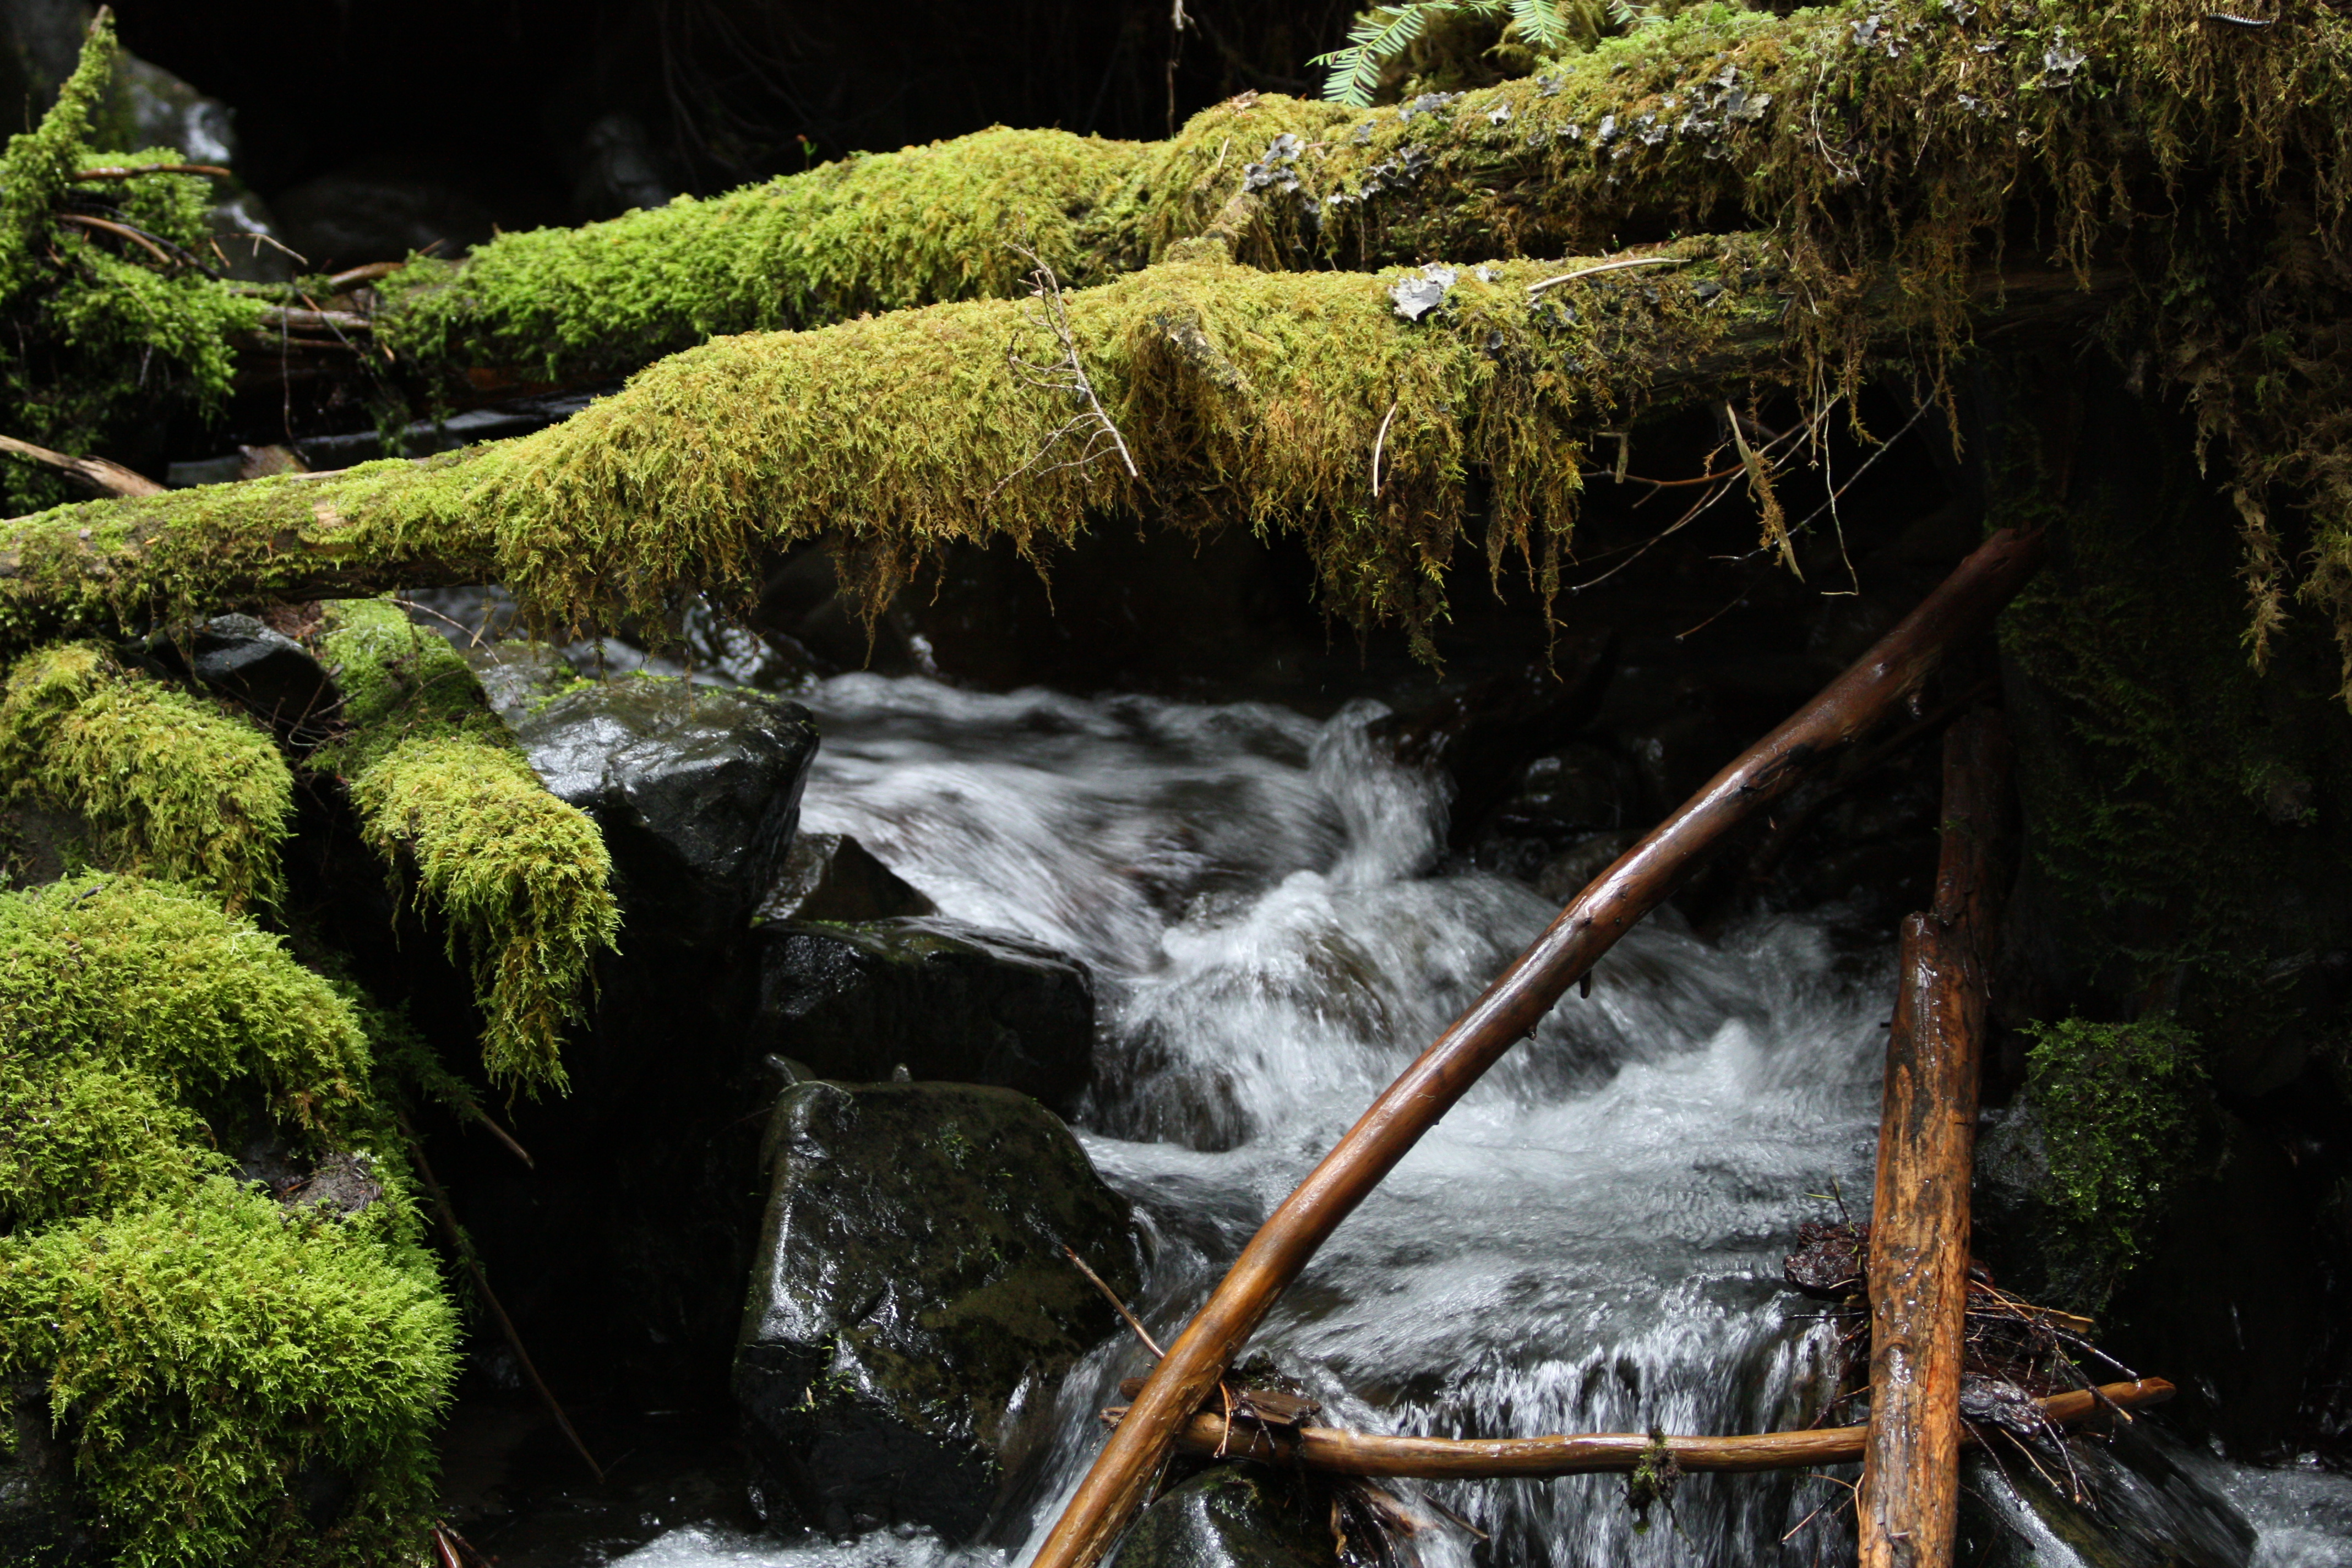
(1918, 1269)
(1963, 605)
(1335, 1452)
(465, 1251)
(98, 472)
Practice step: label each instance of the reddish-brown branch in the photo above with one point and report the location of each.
(1341, 1453)
(1919, 1222)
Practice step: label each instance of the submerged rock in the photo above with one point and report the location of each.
(1236, 1516)
(941, 999)
(912, 1306)
(2142, 1506)
(698, 792)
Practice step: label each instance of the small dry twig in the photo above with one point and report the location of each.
(1121, 1306)
(1065, 376)
(1610, 266)
(1380, 441)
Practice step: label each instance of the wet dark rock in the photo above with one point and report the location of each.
(616, 168)
(1681, 751)
(1572, 870)
(943, 1000)
(911, 1306)
(378, 212)
(245, 229)
(38, 846)
(147, 105)
(1483, 735)
(1236, 1516)
(341, 1184)
(41, 1522)
(831, 876)
(698, 792)
(274, 677)
(2146, 1506)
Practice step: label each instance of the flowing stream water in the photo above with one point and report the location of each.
(1590, 1241)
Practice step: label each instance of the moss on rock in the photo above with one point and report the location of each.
(238, 1380)
(160, 981)
(172, 785)
(243, 1386)
(521, 877)
(2116, 1102)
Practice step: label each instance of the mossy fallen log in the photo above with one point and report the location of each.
(520, 878)
(1247, 397)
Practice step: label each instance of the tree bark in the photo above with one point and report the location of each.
(1963, 605)
(1339, 1453)
(1919, 1221)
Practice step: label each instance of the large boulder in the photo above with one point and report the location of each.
(912, 1306)
(941, 999)
(1235, 1516)
(698, 791)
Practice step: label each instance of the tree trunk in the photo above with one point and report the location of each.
(1919, 1220)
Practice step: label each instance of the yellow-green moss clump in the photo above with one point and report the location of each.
(106, 335)
(240, 1381)
(169, 785)
(874, 232)
(522, 878)
(227, 1369)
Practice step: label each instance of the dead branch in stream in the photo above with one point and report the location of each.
(1918, 1256)
(1335, 1452)
(1961, 607)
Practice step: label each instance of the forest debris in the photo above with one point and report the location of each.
(1960, 608)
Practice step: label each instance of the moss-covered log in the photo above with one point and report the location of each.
(1245, 397)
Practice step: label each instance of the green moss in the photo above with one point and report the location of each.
(106, 339)
(172, 786)
(874, 232)
(223, 1369)
(2116, 1104)
(522, 878)
(2172, 791)
(79, 1136)
(160, 981)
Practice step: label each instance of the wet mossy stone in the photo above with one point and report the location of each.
(274, 677)
(696, 790)
(910, 1309)
(1235, 1516)
(941, 999)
